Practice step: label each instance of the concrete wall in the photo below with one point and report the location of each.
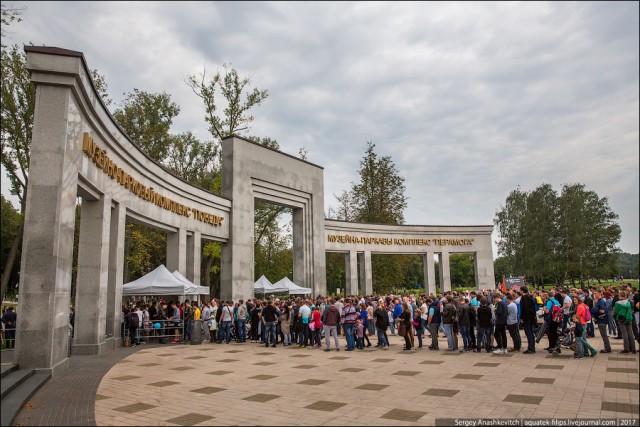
(251, 171)
(67, 109)
(428, 240)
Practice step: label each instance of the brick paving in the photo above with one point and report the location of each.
(243, 384)
(69, 399)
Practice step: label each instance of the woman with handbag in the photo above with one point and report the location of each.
(404, 326)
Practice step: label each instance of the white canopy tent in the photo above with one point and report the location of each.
(263, 286)
(197, 290)
(291, 287)
(159, 282)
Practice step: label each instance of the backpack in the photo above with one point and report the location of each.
(134, 320)
(556, 314)
(587, 313)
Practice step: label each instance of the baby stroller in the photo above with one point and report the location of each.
(566, 339)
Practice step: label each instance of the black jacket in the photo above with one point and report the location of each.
(527, 309)
(501, 313)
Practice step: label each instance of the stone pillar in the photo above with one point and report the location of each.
(366, 279)
(116, 267)
(194, 257)
(93, 273)
(429, 273)
(351, 273)
(445, 273)
(299, 270)
(47, 245)
(484, 269)
(177, 251)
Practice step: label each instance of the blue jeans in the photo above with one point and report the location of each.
(304, 335)
(451, 341)
(348, 334)
(382, 338)
(392, 326)
(225, 332)
(466, 339)
(241, 327)
(419, 333)
(583, 347)
(270, 333)
(531, 339)
(188, 329)
(484, 336)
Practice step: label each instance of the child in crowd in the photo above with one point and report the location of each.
(418, 323)
(359, 331)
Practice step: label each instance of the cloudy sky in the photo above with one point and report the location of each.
(469, 99)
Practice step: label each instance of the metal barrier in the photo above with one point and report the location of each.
(168, 329)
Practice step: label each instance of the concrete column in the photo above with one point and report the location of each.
(114, 283)
(351, 273)
(299, 268)
(93, 274)
(429, 273)
(484, 269)
(445, 272)
(194, 257)
(47, 245)
(177, 251)
(366, 272)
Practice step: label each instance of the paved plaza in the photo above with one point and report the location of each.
(249, 384)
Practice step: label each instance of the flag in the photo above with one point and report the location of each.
(504, 285)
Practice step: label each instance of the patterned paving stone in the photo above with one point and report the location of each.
(149, 365)
(167, 355)
(126, 378)
(521, 398)
(441, 392)
(263, 377)
(451, 353)
(403, 415)
(628, 408)
(264, 363)
(339, 358)
(207, 390)
(622, 359)
(227, 360)
(407, 373)
(101, 397)
(352, 370)
(163, 383)
(265, 353)
(615, 384)
(262, 398)
(233, 351)
(535, 380)
(189, 419)
(374, 387)
(560, 356)
(324, 405)
(467, 377)
(219, 372)
(432, 362)
(382, 360)
(305, 367)
(487, 364)
(623, 370)
(182, 368)
(135, 407)
(300, 355)
(195, 357)
(313, 382)
(558, 367)
(502, 355)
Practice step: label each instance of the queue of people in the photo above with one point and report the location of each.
(471, 321)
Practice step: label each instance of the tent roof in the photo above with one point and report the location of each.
(264, 286)
(158, 282)
(285, 282)
(193, 288)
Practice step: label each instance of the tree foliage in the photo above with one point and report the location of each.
(549, 237)
(10, 221)
(146, 118)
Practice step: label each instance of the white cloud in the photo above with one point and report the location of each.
(469, 99)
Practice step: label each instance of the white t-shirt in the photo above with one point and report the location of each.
(425, 311)
(305, 311)
(567, 299)
(226, 313)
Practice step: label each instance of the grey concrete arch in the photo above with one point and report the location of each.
(358, 241)
(251, 171)
(78, 150)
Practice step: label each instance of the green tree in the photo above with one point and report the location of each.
(588, 233)
(235, 117)
(509, 222)
(192, 160)
(146, 118)
(10, 224)
(461, 268)
(379, 196)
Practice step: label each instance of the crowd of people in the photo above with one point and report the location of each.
(471, 321)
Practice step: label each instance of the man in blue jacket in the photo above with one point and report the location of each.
(601, 317)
